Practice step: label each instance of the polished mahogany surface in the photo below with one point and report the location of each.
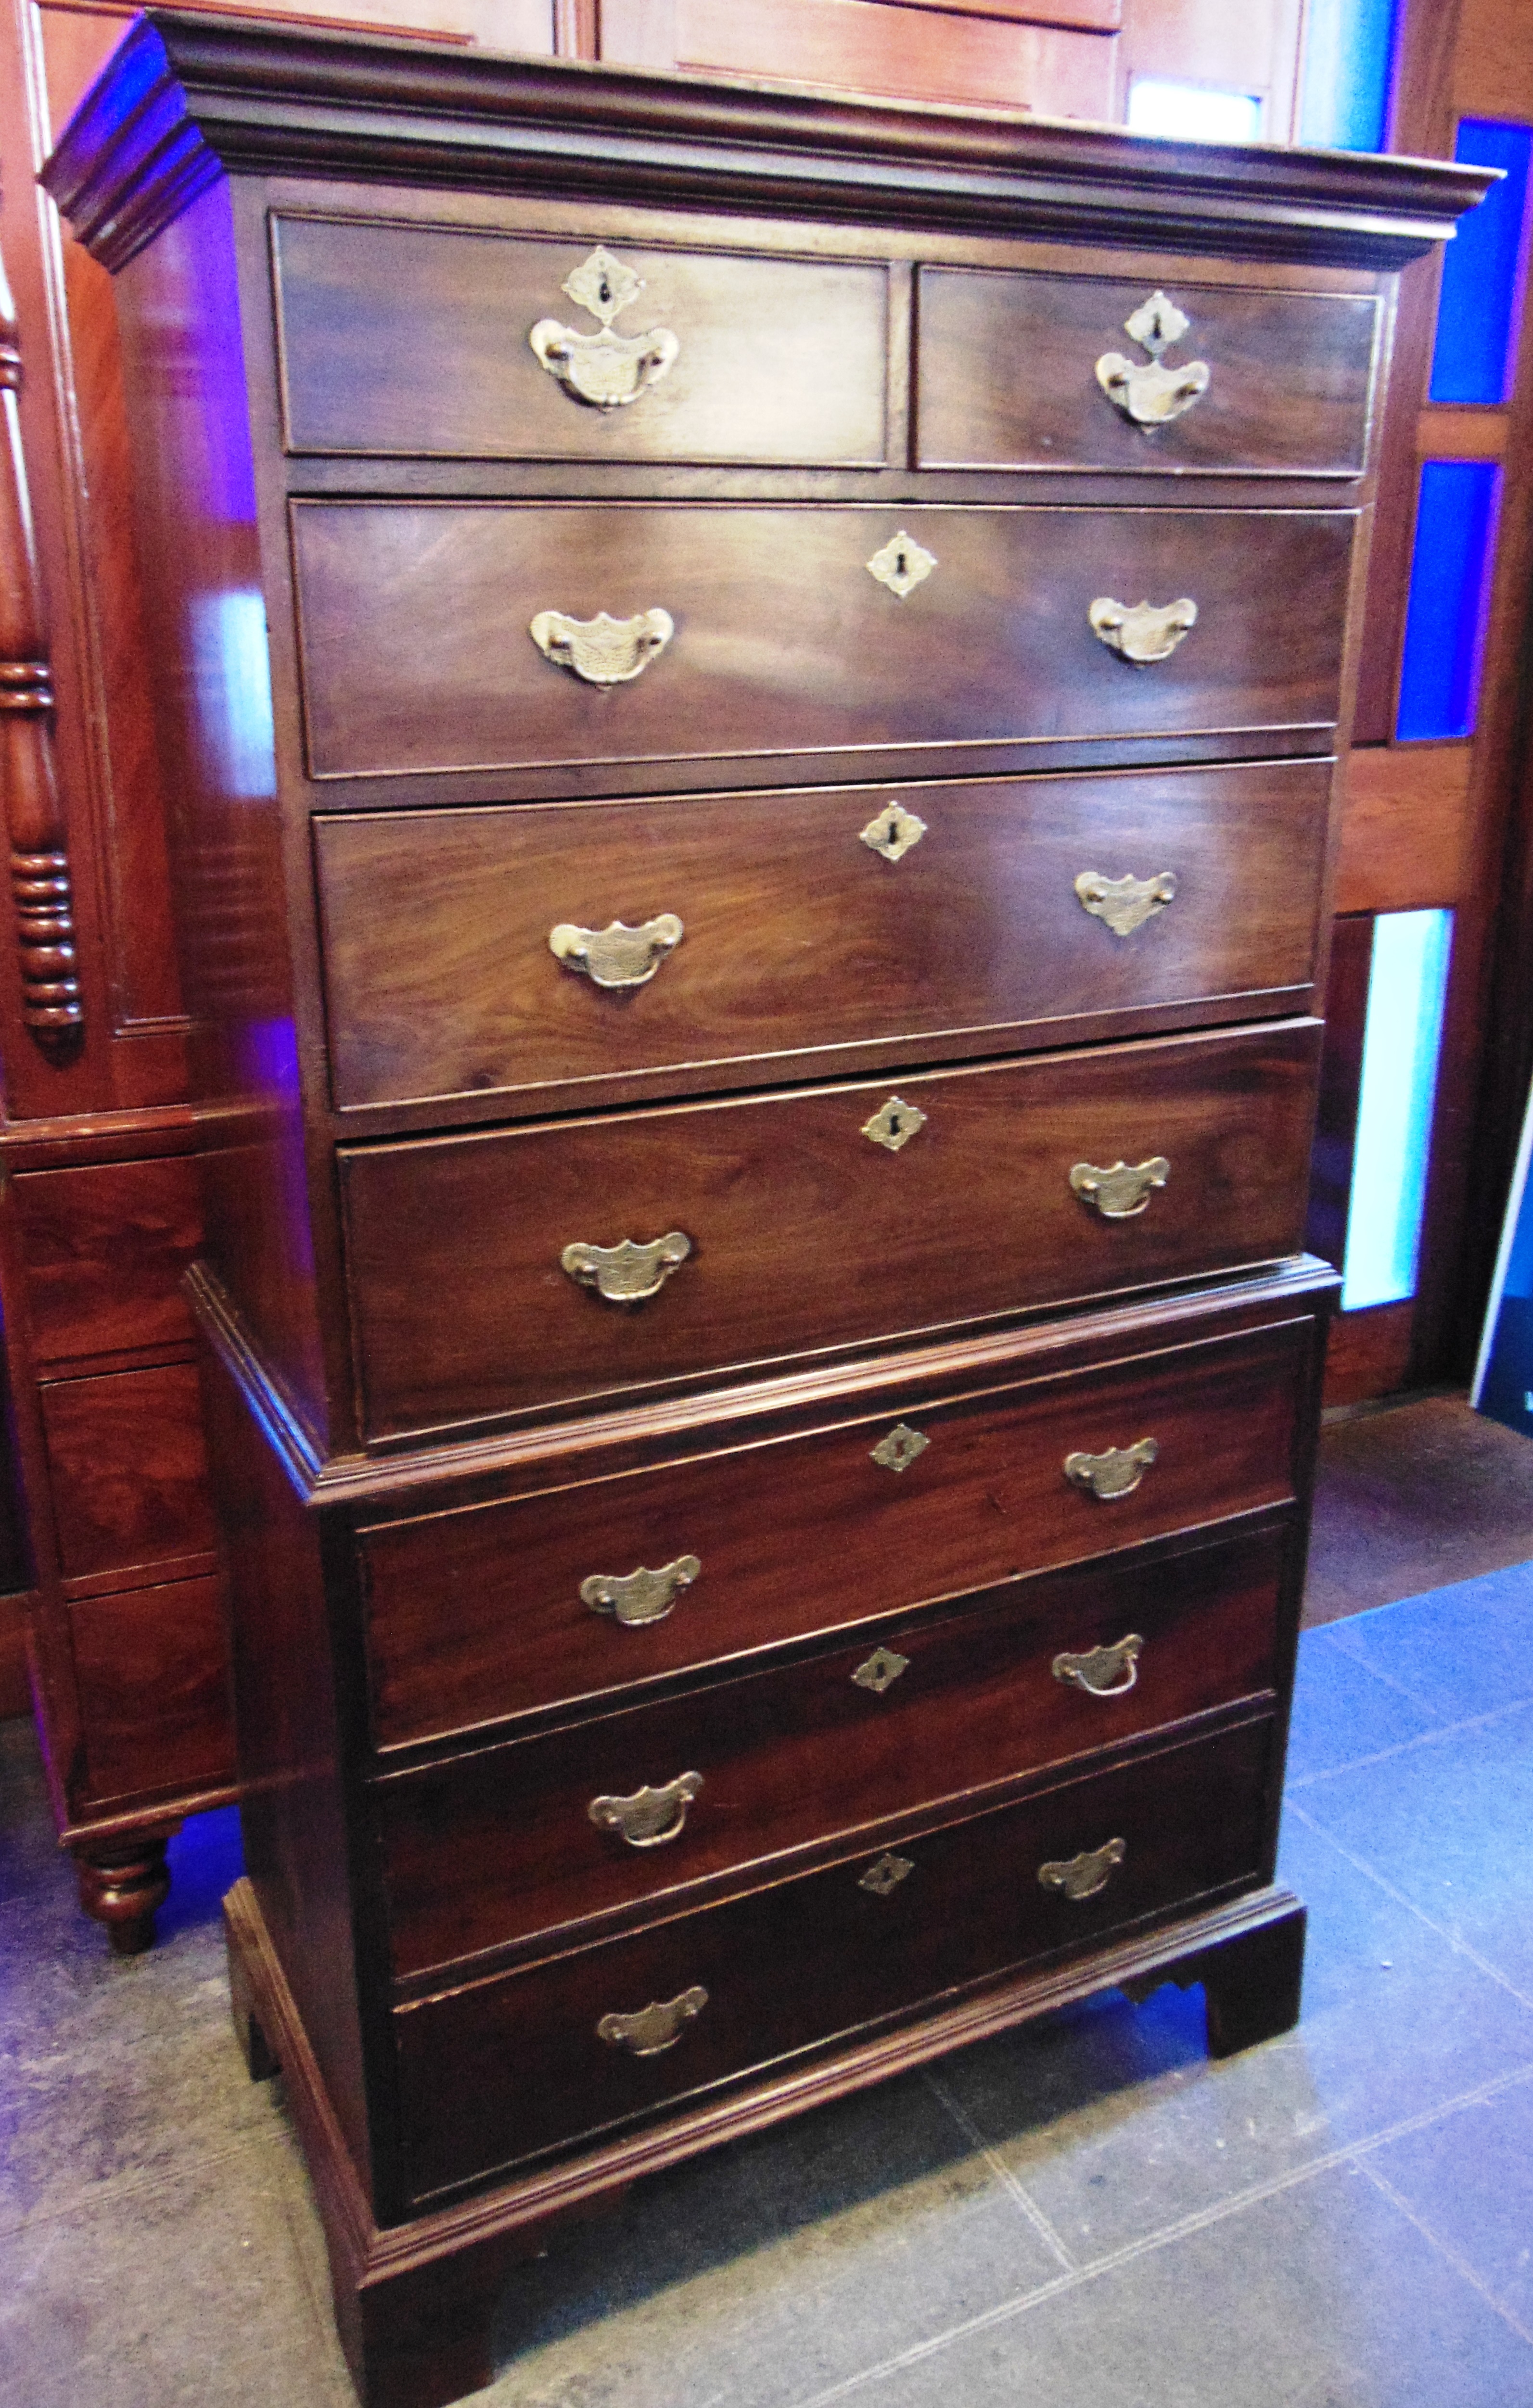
(719, 1398)
(417, 657)
(810, 948)
(494, 2071)
(477, 1616)
(1000, 359)
(803, 1231)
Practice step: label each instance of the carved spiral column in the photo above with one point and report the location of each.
(51, 1007)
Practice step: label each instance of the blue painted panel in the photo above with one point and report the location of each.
(1349, 58)
(1402, 1038)
(1482, 270)
(1445, 618)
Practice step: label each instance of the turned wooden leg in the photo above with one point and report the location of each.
(121, 1883)
(1251, 1985)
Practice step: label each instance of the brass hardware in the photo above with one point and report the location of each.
(618, 958)
(898, 1451)
(881, 1671)
(902, 564)
(605, 369)
(634, 1599)
(1081, 1877)
(894, 832)
(651, 1817)
(1104, 1671)
(886, 1875)
(627, 1274)
(1122, 1191)
(1116, 1473)
(1125, 903)
(654, 2027)
(894, 1124)
(602, 651)
(1143, 633)
(1152, 396)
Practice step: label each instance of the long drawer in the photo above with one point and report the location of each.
(613, 1583)
(496, 2071)
(980, 915)
(487, 1272)
(418, 653)
(539, 1834)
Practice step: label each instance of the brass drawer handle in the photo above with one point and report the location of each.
(1081, 1877)
(654, 2027)
(1123, 903)
(617, 957)
(1142, 632)
(1103, 1671)
(1152, 396)
(1124, 1189)
(605, 369)
(634, 1599)
(1117, 1472)
(603, 651)
(651, 1817)
(628, 1273)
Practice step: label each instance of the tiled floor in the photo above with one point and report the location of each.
(1087, 2215)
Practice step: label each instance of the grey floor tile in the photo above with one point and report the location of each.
(784, 2263)
(1343, 1712)
(1448, 1822)
(1469, 2177)
(1461, 1651)
(1321, 2296)
(1119, 2123)
(188, 2296)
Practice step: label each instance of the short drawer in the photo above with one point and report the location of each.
(1019, 370)
(503, 2069)
(104, 1248)
(792, 1223)
(418, 655)
(431, 340)
(982, 915)
(480, 1615)
(542, 1833)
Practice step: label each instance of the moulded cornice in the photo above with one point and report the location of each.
(186, 96)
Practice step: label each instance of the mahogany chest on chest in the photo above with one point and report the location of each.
(753, 686)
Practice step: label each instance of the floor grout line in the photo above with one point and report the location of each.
(1010, 2182)
(1199, 2220)
(116, 2188)
(1404, 1747)
(1460, 2264)
(1390, 1680)
(1460, 1947)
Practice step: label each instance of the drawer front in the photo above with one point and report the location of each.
(152, 1680)
(809, 1220)
(105, 1246)
(417, 340)
(1008, 376)
(129, 1468)
(506, 1844)
(505, 2069)
(480, 1614)
(417, 656)
(441, 979)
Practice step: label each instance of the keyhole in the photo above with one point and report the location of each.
(606, 292)
(893, 832)
(894, 1124)
(899, 566)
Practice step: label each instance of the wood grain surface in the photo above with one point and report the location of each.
(807, 1235)
(439, 981)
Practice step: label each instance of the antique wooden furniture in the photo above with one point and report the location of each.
(752, 685)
